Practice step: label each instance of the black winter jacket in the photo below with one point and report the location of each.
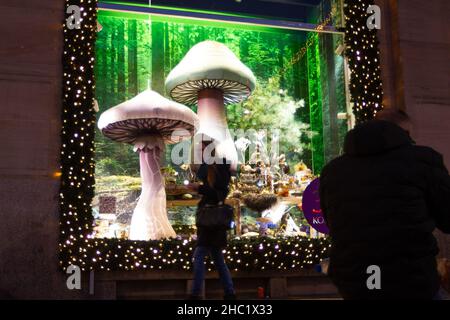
(382, 200)
(212, 195)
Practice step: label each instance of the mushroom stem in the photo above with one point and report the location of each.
(150, 221)
(211, 108)
(213, 120)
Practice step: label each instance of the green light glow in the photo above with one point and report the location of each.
(217, 18)
(218, 13)
(315, 103)
(192, 21)
(137, 51)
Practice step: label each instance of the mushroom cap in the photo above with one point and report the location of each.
(148, 114)
(212, 65)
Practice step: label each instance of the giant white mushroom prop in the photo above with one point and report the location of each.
(149, 121)
(211, 75)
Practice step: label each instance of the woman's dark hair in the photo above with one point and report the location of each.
(211, 175)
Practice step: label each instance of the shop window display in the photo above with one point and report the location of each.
(283, 126)
(124, 49)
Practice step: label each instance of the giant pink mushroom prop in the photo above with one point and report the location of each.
(211, 75)
(149, 121)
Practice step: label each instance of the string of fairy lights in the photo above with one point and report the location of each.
(79, 247)
(300, 53)
(78, 129)
(363, 59)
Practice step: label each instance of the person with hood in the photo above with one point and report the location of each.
(381, 200)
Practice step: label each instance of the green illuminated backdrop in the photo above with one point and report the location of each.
(135, 52)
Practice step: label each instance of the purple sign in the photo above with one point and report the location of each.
(311, 207)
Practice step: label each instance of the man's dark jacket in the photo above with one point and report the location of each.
(382, 200)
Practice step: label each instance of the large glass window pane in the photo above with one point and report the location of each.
(300, 94)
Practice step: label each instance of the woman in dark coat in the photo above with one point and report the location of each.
(211, 241)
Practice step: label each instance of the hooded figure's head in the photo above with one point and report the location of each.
(395, 116)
